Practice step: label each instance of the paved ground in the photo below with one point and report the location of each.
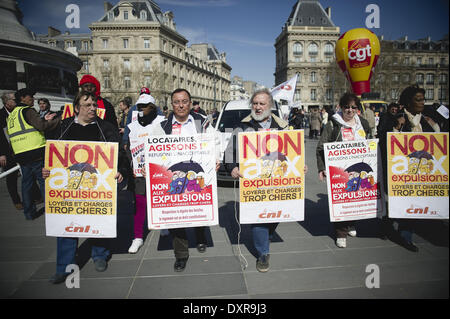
(305, 263)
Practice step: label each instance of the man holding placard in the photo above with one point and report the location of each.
(189, 201)
(271, 169)
(81, 194)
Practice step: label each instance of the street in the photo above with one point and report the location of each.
(304, 262)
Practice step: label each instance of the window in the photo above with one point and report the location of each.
(106, 64)
(328, 49)
(298, 48)
(313, 94)
(394, 94)
(395, 77)
(429, 94)
(110, 16)
(442, 94)
(299, 78)
(125, 15)
(313, 77)
(105, 43)
(329, 94)
(419, 61)
(430, 61)
(147, 81)
(430, 78)
(107, 83)
(442, 78)
(85, 45)
(419, 78)
(297, 95)
(126, 64)
(125, 43)
(406, 78)
(406, 60)
(127, 82)
(146, 43)
(313, 49)
(86, 66)
(147, 64)
(143, 15)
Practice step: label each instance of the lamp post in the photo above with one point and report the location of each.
(215, 73)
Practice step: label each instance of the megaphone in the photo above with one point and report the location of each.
(357, 52)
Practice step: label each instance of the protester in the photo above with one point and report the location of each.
(369, 115)
(324, 115)
(344, 125)
(197, 109)
(124, 107)
(26, 132)
(44, 107)
(411, 119)
(90, 84)
(260, 118)
(84, 126)
(139, 130)
(184, 122)
(314, 123)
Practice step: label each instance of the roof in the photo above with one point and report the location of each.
(152, 10)
(309, 13)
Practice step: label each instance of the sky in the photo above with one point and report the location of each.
(246, 30)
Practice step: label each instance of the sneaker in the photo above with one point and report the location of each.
(352, 232)
(135, 245)
(100, 265)
(341, 242)
(262, 264)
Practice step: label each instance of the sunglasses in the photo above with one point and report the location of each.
(346, 107)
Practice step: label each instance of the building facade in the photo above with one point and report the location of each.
(135, 44)
(306, 46)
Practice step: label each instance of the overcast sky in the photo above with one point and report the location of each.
(246, 29)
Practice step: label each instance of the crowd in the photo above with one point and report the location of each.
(28, 129)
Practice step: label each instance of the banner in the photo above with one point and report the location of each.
(418, 167)
(285, 90)
(181, 181)
(272, 163)
(81, 191)
(354, 182)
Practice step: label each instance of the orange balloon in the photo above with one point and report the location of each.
(357, 52)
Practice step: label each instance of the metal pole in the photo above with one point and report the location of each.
(11, 170)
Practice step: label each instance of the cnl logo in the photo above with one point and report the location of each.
(423, 211)
(266, 215)
(80, 229)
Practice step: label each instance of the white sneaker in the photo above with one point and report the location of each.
(341, 242)
(352, 233)
(135, 245)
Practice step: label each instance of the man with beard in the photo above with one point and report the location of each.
(260, 118)
(139, 130)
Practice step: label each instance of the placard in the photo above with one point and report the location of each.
(418, 167)
(354, 181)
(273, 189)
(181, 181)
(81, 191)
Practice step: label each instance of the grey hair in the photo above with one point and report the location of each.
(5, 96)
(263, 91)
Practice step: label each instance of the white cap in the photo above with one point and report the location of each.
(145, 99)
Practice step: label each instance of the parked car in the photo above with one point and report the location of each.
(232, 113)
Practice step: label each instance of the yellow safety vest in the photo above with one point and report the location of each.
(22, 135)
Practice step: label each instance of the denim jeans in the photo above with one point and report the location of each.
(262, 234)
(66, 250)
(31, 172)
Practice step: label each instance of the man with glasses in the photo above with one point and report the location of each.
(26, 133)
(84, 126)
(344, 125)
(184, 122)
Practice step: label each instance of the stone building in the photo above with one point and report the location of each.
(404, 62)
(306, 46)
(135, 44)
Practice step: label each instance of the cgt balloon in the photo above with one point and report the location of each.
(357, 52)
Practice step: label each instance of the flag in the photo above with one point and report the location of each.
(285, 90)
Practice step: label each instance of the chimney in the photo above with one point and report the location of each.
(328, 12)
(107, 6)
(53, 32)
